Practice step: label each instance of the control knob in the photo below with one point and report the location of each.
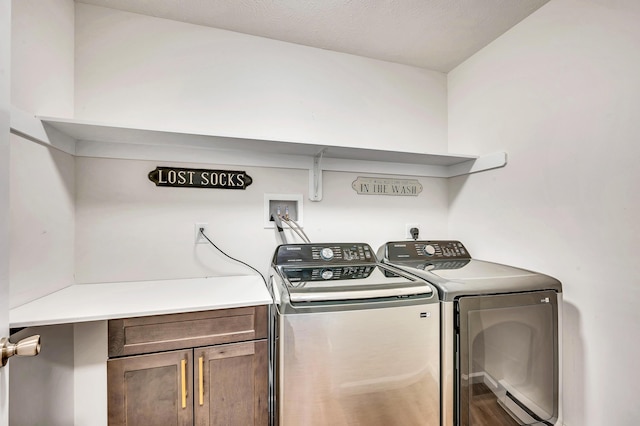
(327, 274)
(429, 250)
(326, 253)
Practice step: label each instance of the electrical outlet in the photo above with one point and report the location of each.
(199, 238)
(408, 227)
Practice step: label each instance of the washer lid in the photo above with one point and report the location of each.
(350, 282)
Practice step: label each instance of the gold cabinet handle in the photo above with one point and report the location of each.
(183, 367)
(201, 379)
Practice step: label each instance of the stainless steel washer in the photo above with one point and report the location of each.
(354, 342)
(500, 334)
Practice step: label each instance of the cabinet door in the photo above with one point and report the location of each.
(153, 389)
(231, 384)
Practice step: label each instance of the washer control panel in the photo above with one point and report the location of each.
(421, 250)
(327, 274)
(332, 253)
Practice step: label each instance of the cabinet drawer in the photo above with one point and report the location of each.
(131, 336)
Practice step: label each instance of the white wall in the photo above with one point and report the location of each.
(42, 179)
(42, 55)
(150, 72)
(49, 397)
(321, 96)
(129, 229)
(42, 199)
(560, 93)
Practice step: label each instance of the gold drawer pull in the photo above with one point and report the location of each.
(201, 379)
(183, 365)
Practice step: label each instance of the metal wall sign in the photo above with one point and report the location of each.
(199, 178)
(384, 186)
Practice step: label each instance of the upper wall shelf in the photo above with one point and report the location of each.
(89, 139)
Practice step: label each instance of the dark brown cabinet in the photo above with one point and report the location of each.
(232, 384)
(147, 389)
(203, 368)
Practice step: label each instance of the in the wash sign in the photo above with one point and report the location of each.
(177, 177)
(387, 186)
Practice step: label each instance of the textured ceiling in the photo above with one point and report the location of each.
(433, 34)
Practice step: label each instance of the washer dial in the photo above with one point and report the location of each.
(327, 274)
(326, 253)
(429, 250)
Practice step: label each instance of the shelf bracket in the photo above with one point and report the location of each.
(315, 177)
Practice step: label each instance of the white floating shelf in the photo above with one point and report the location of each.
(91, 139)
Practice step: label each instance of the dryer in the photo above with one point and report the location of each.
(500, 334)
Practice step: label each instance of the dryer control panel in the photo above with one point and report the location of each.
(422, 250)
(332, 253)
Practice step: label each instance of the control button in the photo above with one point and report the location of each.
(327, 274)
(326, 253)
(429, 250)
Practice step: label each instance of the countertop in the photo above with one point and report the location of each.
(103, 301)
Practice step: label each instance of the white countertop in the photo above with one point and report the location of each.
(103, 301)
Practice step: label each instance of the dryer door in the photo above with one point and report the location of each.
(508, 359)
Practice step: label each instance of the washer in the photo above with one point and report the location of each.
(353, 342)
(500, 334)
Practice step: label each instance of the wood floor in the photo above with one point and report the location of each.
(485, 410)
